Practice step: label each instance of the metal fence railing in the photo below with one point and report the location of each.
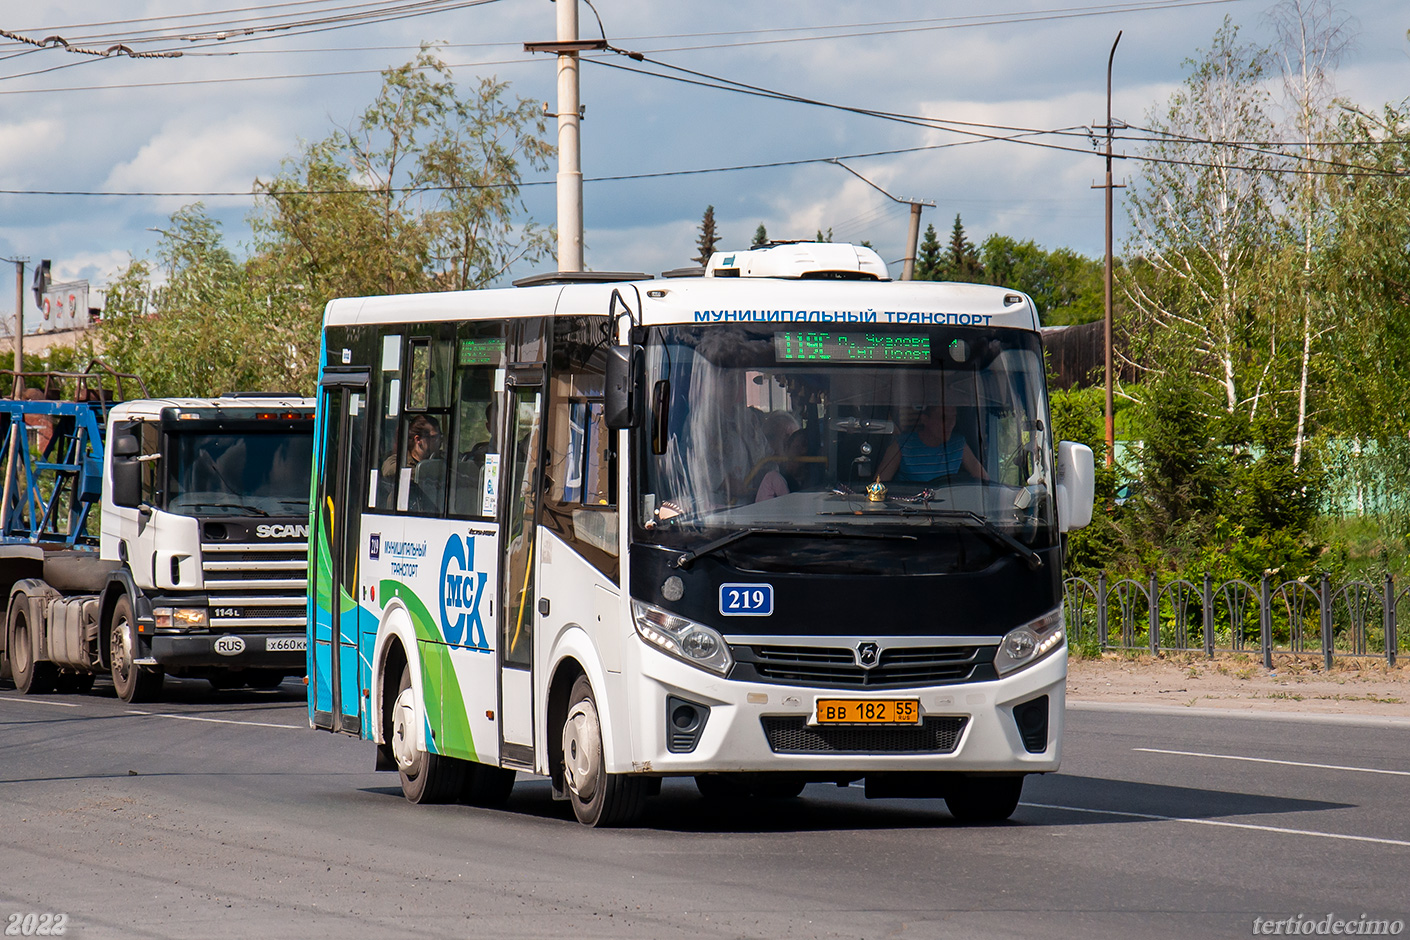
(1354, 619)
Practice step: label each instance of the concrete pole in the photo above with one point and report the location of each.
(570, 174)
(908, 267)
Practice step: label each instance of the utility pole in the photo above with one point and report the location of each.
(569, 114)
(908, 265)
(1109, 186)
(19, 326)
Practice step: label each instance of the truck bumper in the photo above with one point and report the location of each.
(229, 651)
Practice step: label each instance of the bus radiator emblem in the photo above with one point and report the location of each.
(868, 654)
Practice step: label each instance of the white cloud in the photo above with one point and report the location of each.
(184, 156)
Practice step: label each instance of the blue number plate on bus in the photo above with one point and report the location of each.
(746, 600)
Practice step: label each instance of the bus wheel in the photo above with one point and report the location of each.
(425, 777)
(31, 677)
(598, 798)
(984, 799)
(134, 683)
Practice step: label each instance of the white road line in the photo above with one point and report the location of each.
(218, 721)
(1269, 760)
(36, 701)
(1220, 822)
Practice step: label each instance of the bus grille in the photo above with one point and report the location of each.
(836, 667)
(792, 735)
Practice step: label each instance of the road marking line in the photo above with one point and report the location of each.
(1220, 822)
(36, 701)
(1269, 760)
(218, 721)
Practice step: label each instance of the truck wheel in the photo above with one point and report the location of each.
(31, 678)
(984, 799)
(425, 777)
(598, 798)
(134, 683)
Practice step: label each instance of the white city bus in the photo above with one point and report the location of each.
(781, 521)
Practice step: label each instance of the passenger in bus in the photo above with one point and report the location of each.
(427, 484)
(931, 451)
(787, 477)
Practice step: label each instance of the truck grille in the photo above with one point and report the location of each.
(256, 589)
(836, 667)
(792, 735)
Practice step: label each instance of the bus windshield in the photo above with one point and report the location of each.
(775, 428)
(246, 473)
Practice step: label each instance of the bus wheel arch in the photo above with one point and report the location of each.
(564, 675)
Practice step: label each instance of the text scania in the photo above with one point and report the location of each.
(841, 316)
(281, 531)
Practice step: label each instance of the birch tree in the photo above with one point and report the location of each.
(1203, 215)
(1312, 37)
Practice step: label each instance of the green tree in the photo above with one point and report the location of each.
(1065, 286)
(961, 262)
(824, 238)
(708, 239)
(421, 192)
(928, 257)
(761, 237)
(207, 328)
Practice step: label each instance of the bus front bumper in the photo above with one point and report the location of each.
(749, 726)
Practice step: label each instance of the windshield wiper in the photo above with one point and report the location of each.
(687, 558)
(1034, 560)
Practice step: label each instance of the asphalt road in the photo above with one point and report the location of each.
(222, 815)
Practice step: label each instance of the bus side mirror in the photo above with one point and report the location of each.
(127, 483)
(1076, 485)
(621, 404)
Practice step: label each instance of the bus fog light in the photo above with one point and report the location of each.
(1029, 643)
(684, 639)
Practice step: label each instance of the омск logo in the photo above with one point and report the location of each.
(461, 589)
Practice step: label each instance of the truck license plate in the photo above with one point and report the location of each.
(868, 711)
(286, 644)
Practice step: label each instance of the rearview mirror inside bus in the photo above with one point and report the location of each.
(622, 397)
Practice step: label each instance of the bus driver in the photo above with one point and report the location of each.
(931, 450)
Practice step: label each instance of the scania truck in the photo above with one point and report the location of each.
(152, 537)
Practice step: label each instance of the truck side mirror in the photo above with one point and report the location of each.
(127, 483)
(125, 440)
(1076, 485)
(621, 405)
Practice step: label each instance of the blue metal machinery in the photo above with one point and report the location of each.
(48, 492)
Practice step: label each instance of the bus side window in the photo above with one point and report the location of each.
(387, 387)
(479, 369)
(580, 502)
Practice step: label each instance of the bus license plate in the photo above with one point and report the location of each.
(286, 644)
(868, 711)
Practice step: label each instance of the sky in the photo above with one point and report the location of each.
(228, 111)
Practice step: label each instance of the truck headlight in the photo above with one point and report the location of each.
(686, 640)
(180, 619)
(1025, 645)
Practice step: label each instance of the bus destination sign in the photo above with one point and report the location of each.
(861, 346)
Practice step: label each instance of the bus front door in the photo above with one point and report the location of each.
(335, 674)
(522, 428)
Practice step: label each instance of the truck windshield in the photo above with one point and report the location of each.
(246, 473)
(917, 430)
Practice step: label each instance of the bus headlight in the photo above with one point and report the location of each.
(1029, 643)
(686, 640)
(180, 619)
